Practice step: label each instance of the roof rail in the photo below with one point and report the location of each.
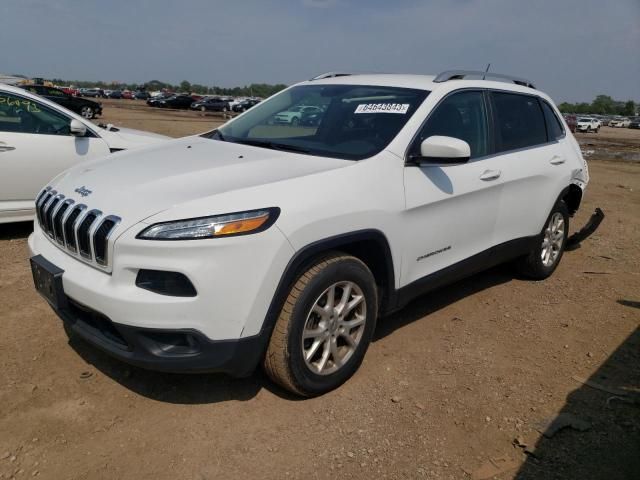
(461, 74)
(331, 75)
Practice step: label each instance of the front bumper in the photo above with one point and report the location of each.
(175, 351)
(235, 280)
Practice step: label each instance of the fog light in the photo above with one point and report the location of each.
(166, 283)
(171, 343)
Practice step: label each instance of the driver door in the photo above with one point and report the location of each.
(451, 210)
(35, 146)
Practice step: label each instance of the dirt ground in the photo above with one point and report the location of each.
(457, 385)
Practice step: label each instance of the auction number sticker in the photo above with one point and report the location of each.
(382, 108)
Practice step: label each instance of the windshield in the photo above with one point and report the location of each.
(342, 121)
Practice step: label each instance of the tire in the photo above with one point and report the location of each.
(295, 121)
(203, 108)
(87, 112)
(225, 109)
(540, 263)
(325, 360)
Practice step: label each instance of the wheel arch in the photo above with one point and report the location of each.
(572, 196)
(370, 246)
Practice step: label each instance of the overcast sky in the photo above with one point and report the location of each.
(572, 49)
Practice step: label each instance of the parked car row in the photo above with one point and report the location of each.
(100, 93)
(203, 104)
(592, 123)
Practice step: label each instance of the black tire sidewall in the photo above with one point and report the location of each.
(309, 382)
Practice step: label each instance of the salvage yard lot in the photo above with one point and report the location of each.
(446, 389)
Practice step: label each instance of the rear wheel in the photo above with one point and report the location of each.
(324, 327)
(541, 262)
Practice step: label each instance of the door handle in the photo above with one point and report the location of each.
(490, 175)
(5, 148)
(557, 160)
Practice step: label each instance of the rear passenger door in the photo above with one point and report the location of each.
(532, 161)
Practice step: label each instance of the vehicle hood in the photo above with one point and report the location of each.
(128, 138)
(137, 184)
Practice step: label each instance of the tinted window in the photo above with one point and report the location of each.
(23, 115)
(461, 115)
(554, 127)
(519, 121)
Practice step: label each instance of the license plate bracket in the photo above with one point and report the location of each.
(47, 279)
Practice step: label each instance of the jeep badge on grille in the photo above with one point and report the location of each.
(84, 191)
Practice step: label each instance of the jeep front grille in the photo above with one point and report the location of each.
(82, 232)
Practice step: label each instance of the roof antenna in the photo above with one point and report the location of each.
(486, 71)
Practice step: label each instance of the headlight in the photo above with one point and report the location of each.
(228, 225)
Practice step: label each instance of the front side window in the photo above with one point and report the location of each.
(519, 122)
(341, 121)
(23, 115)
(461, 115)
(555, 130)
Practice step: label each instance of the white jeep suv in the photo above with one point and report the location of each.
(279, 245)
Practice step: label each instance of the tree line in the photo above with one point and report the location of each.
(254, 90)
(601, 105)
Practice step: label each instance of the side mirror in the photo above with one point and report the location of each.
(440, 149)
(77, 128)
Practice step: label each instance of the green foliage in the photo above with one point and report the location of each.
(629, 108)
(602, 105)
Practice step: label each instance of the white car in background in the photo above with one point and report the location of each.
(39, 139)
(586, 125)
(293, 115)
(620, 122)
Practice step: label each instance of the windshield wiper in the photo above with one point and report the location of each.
(218, 135)
(274, 145)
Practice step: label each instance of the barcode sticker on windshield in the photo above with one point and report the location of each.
(382, 108)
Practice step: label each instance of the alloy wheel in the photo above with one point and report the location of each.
(553, 239)
(334, 328)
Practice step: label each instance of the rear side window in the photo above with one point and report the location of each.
(519, 121)
(554, 127)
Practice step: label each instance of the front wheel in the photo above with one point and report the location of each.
(542, 261)
(324, 327)
(87, 112)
